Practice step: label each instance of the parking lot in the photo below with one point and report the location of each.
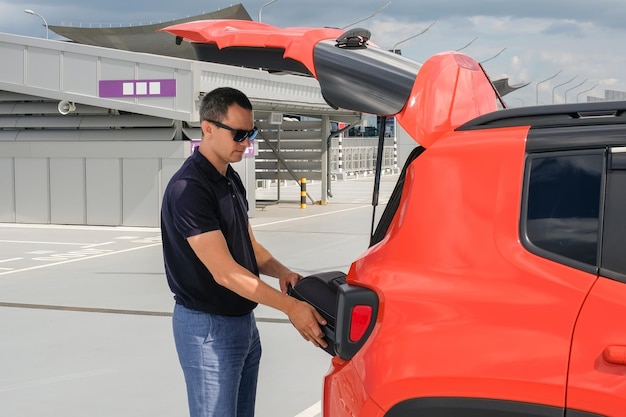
(85, 313)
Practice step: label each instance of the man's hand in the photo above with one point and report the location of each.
(307, 321)
(289, 278)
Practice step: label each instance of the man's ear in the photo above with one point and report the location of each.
(207, 129)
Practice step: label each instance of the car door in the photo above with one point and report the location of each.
(597, 371)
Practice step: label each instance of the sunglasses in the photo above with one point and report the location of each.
(238, 134)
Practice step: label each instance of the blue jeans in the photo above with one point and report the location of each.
(220, 358)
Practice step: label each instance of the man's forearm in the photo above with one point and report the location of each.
(272, 267)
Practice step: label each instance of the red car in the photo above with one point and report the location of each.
(495, 283)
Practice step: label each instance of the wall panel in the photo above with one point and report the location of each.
(32, 197)
(67, 191)
(7, 191)
(104, 191)
(141, 192)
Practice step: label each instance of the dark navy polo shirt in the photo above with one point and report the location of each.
(199, 199)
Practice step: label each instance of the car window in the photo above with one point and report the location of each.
(562, 206)
(614, 235)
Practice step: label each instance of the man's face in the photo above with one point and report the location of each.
(221, 141)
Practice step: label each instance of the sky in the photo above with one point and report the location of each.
(565, 49)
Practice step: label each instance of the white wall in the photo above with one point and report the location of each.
(95, 183)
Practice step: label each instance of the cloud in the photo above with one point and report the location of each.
(541, 37)
(568, 28)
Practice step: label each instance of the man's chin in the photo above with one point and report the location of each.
(237, 156)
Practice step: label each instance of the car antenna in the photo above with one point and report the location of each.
(495, 90)
(382, 124)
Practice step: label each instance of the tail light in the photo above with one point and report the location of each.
(357, 309)
(359, 321)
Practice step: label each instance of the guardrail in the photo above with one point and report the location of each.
(357, 155)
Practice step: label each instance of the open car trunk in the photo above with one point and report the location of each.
(350, 311)
(428, 100)
(348, 327)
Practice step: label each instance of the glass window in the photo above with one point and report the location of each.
(563, 206)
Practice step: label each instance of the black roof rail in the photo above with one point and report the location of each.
(555, 115)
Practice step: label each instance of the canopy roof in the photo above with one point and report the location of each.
(145, 38)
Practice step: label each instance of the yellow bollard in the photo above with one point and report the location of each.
(302, 192)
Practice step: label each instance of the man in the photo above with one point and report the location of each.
(213, 262)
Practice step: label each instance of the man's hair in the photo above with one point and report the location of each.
(215, 103)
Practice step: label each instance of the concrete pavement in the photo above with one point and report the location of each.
(85, 312)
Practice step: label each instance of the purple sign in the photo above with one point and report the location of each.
(194, 145)
(249, 150)
(137, 88)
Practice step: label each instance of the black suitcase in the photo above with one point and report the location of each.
(320, 290)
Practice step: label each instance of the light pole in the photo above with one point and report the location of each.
(543, 81)
(44, 20)
(571, 88)
(266, 4)
(495, 56)
(558, 85)
(380, 9)
(411, 37)
(584, 91)
(468, 44)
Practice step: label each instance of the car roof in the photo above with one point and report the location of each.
(556, 115)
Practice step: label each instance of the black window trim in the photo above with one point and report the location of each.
(604, 272)
(612, 275)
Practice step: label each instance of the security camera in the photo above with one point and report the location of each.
(66, 107)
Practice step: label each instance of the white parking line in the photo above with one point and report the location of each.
(30, 242)
(93, 245)
(77, 227)
(312, 411)
(9, 260)
(78, 259)
(309, 217)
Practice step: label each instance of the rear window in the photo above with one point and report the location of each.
(562, 207)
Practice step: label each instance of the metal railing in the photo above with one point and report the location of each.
(357, 155)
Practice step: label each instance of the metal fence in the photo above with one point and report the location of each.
(357, 155)
(348, 157)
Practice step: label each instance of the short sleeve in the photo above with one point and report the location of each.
(193, 208)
